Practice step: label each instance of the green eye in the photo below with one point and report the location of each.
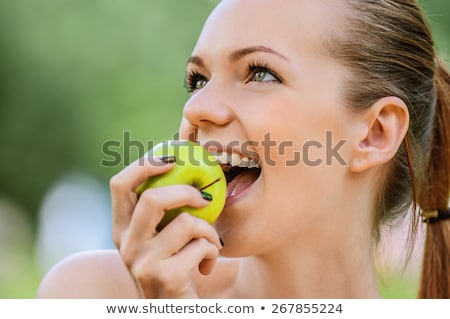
(200, 84)
(194, 81)
(261, 72)
(264, 76)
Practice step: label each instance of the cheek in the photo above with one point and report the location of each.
(305, 153)
(290, 128)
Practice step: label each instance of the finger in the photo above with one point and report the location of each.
(140, 170)
(200, 254)
(206, 266)
(123, 186)
(173, 275)
(182, 230)
(154, 202)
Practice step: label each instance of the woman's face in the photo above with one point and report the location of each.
(263, 87)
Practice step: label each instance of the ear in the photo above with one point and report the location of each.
(384, 128)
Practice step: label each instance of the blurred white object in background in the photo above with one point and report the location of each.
(75, 216)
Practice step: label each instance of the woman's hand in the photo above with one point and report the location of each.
(164, 264)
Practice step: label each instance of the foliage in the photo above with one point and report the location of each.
(75, 74)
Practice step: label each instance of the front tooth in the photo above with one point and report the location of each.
(222, 158)
(253, 164)
(235, 159)
(245, 161)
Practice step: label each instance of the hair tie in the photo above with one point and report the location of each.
(436, 215)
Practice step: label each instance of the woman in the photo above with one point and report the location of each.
(346, 106)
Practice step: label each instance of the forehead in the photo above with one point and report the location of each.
(281, 24)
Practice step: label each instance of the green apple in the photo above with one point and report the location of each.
(194, 166)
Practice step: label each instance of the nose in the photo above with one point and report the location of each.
(208, 107)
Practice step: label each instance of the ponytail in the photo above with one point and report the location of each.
(400, 60)
(434, 196)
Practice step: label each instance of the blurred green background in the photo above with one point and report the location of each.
(75, 74)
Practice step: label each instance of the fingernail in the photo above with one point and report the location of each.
(221, 242)
(168, 159)
(207, 196)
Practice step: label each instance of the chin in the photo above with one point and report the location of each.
(239, 233)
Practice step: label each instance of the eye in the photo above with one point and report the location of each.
(263, 76)
(194, 81)
(260, 72)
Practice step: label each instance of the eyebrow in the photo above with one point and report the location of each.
(196, 60)
(239, 54)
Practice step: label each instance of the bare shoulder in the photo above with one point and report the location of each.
(93, 274)
(102, 275)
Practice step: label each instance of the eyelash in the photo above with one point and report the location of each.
(192, 76)
(259, 66)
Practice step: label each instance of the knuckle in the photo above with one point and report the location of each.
(150, 197)
(127, 258)
(127, 254)
(170, 281)
(152, 274)
(186, 192)
(116, 238)
(186, 220)
(127, 261)
(115, 182)
(142, 273)
(162, 278)
(204, 243)
(117, 235)
(191, 192)
(207, 246)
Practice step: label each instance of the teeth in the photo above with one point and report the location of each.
(253, 164)
(245, 161)
(222, 158)
(235, 159)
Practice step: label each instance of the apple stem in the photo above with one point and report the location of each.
(210, 184)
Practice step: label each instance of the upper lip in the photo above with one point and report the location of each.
(215, 147)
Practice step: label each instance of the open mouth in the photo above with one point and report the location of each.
(240, 172)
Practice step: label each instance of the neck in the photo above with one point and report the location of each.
(336, 264)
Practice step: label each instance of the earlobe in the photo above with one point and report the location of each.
(385, 126)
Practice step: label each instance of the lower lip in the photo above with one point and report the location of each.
(235, 198)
